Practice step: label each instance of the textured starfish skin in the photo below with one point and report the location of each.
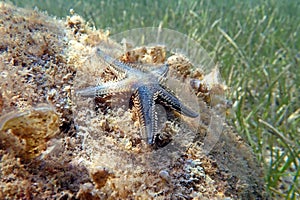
(145, 85)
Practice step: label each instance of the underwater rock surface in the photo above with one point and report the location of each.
(69, 148)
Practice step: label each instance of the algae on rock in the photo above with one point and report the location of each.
(97, 154)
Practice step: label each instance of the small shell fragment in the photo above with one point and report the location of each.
(164, 174)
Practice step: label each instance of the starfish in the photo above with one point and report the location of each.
(146, 86)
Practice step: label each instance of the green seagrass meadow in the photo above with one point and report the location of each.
(257, 46)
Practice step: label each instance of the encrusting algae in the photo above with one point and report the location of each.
(58, 146)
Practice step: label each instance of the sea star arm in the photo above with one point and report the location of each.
(111, 87)
(160, 71)
(156, 70)
(113, 63)
(170, 100)
(144, 101)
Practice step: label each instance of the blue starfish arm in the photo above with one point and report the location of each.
(144, 101)
(160, 71)
(111, 87)
(114, 63)
(170, 100)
